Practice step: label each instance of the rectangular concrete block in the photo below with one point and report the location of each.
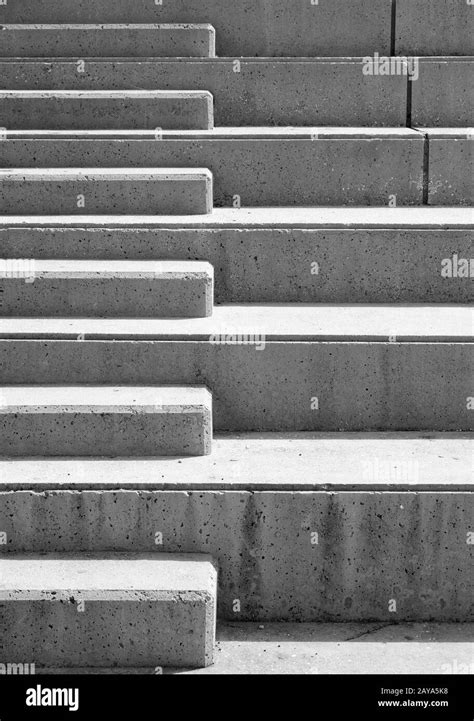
(99, 41)
(106, 110)
(124, 190)
(105, 421)
(373, 546)
(434, 27)
(107, 610)
(450, 166)
(247, 28)
(106, 288)
(251, 166)
(272, 368)
(265, 91)
(442, 96)
(364, 255)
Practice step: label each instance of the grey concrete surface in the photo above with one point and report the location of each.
(106, 288)
(323, 648)
(451, 166)
(126, 40)
(283, 555)
(103, 190)
(387, 256)
(87, 420)
(442, 96)
(272, 368)
(268, 462)
(252, 166)
(249, 27)
(105, 109)
(434, 27)
(108, 609)
(264, 91)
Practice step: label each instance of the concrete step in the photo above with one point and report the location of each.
(304, 527)
(272, 367)
(279, 255)
(106, 288)
(107, 110)
(450, 161)
(101, 41)
(250, 27)
(87, 420)
(121, 190)
(104, 610)
(434, 27)
(250, 166)
(442, 97)
(252, 91)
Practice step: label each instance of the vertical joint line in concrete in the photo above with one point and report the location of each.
(426, 169)
(409, 99)
(393, 27)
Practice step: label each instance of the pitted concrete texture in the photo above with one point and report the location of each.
(282, 555)
(105, 421)
(285, 255)
(272, 368)
(269, 462)
(451, 166)
(442, 95)
(340, 648)
(434, 27)
(106, 288)
(265, 92)
(250, 166)
(106, 109)
(79, 41)
(249, 27)
(108, 610)
(121, 190)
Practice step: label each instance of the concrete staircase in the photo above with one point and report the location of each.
(274, 243)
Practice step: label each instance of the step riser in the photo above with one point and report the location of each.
(371, 549)
(113, 297)
(111, 621)
(434, 27)
(49, 194)
(245, 28)
(358, 386)
(355, 266)
(263, 92)
(187, 112)
(108, 42)
(450, 171)
(278, 92)
(253, 172)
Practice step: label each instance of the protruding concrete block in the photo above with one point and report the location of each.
(434, 27)
(250, 166)
(81, 41)
(106, 288)
(106, 190)
(105, 420)
(107, 610)
(249, 27)
(106, 109)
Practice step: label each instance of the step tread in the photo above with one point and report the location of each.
(294, 322)
(270, 461)
(111, 268)
(24, 575)
(123, 174)
(261, 217)
(94, 399)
